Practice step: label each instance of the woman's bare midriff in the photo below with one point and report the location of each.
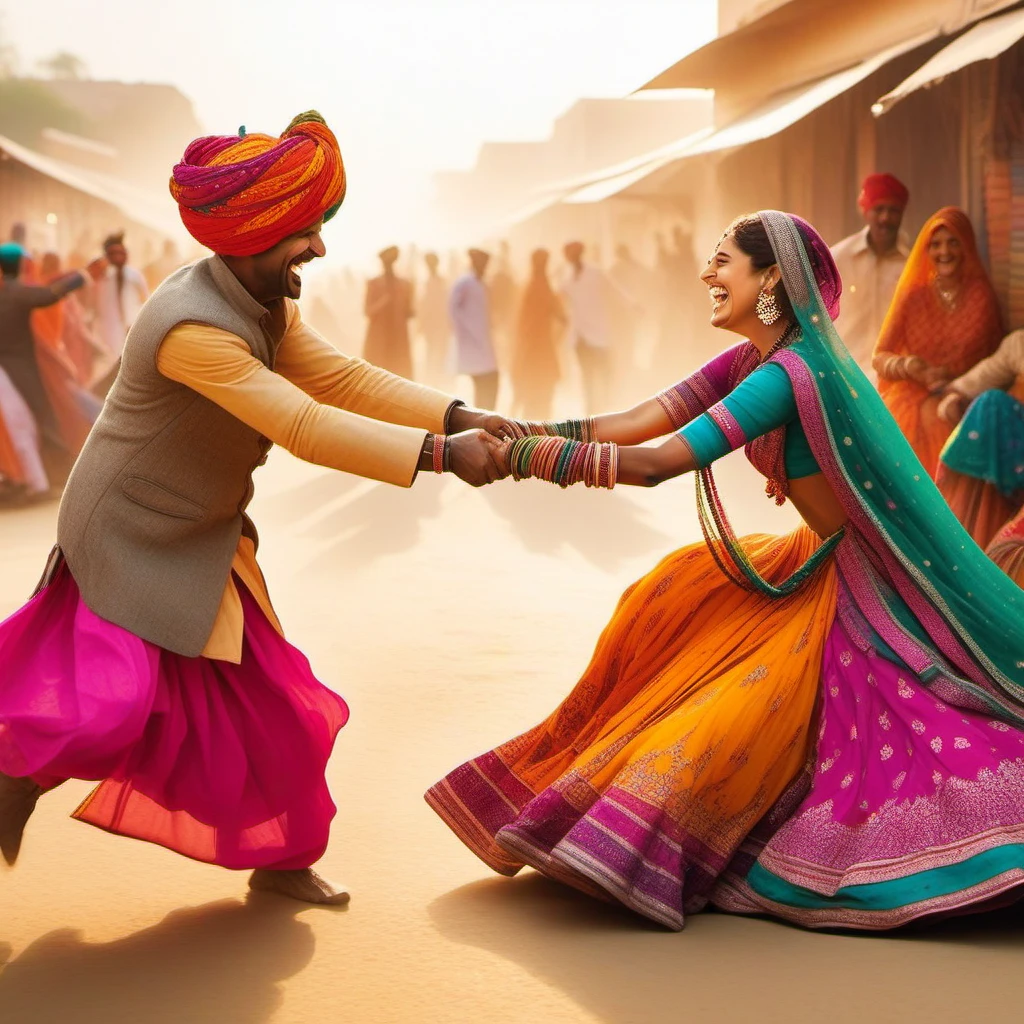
(814, 499)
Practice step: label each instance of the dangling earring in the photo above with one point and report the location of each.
(767, 308)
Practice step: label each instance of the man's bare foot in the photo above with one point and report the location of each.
(17, 802)
(305, 885)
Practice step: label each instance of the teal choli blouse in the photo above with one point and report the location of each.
(759, 404)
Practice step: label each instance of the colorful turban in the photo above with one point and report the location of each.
(882, 188)
(242, 194)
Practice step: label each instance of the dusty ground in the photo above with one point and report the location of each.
(450, 619)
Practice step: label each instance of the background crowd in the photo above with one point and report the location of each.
(562, 326)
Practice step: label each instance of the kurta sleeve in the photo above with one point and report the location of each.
(761, 403)
(999, 370)
(328, 376)
(219, 366)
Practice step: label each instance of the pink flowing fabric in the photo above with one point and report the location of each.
(223, 763)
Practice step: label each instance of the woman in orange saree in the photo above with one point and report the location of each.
(944, 318)
(827, 727)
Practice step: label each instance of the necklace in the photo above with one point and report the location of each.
(785, 338)
(949, 296)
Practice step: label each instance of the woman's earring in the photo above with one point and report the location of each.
(767, 308)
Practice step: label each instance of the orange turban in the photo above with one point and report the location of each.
(242, 194)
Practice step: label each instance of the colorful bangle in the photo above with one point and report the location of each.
(575, 429)
(440, 444)
(564, 461)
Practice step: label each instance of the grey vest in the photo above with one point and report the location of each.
(155, 505)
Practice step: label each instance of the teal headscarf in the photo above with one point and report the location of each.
(930, 593)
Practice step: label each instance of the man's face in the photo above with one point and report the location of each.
(279, 270)
(117, 255)
(883, 222)
(479, 261)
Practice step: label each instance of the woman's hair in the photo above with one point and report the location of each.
(752, 238)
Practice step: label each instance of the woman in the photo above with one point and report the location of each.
(535, 362)
(1007, 549)
(824, 726)
(75, 409)
(944, 318)
(981, 469)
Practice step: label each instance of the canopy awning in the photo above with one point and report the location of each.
(778, 114)
(151, 211)
(985, 41)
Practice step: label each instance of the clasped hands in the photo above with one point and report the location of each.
(478, 445)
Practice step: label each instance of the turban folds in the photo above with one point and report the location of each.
(882, 188)
(242, 194)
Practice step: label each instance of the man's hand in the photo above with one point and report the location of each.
(464, 418)
(476, 457)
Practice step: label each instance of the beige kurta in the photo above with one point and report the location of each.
(869, 283)
(322, 406)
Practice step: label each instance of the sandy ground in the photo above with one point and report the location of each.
(450, 619)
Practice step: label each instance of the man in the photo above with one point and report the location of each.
(587, 293)
(17, 340)
(433, 320)
(870, 263)
(388, 309)
(151, 657)
(469, 309)
(118, 296)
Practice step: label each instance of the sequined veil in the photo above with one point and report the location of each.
(929, 595)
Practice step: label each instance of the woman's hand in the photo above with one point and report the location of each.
(951, 408)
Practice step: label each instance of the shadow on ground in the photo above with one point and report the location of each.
(220, 963)
(620, 968)
(604, 528)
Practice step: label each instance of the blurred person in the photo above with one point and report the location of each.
(388, 308)
(21, 461)
(503, 292)
(981, 467)
(63, 326)
(539, 324)
(631, 278)
(18, 353)
(682, 302)
(164, 265)
(588, 294)
(870, 262)
(432, 306)
(944, 319)
(151, 658)
(826, 727)
(118, 296)
(470, 313)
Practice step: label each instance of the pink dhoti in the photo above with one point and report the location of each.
(221, 762)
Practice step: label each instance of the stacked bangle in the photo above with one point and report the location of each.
(564, 461)
(576, 430)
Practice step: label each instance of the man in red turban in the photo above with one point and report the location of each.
(151, 658)
(870, 262)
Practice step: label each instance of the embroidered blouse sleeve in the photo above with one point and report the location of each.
(324, 373)
(220, 367)
(761, 403)
(697, 393)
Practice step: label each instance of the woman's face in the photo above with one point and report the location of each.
(946, 253)
(733, 285)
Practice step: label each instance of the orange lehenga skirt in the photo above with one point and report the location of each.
(699, 700)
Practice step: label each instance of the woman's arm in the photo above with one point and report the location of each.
(648, 467)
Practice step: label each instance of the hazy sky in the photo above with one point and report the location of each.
(409, 86)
